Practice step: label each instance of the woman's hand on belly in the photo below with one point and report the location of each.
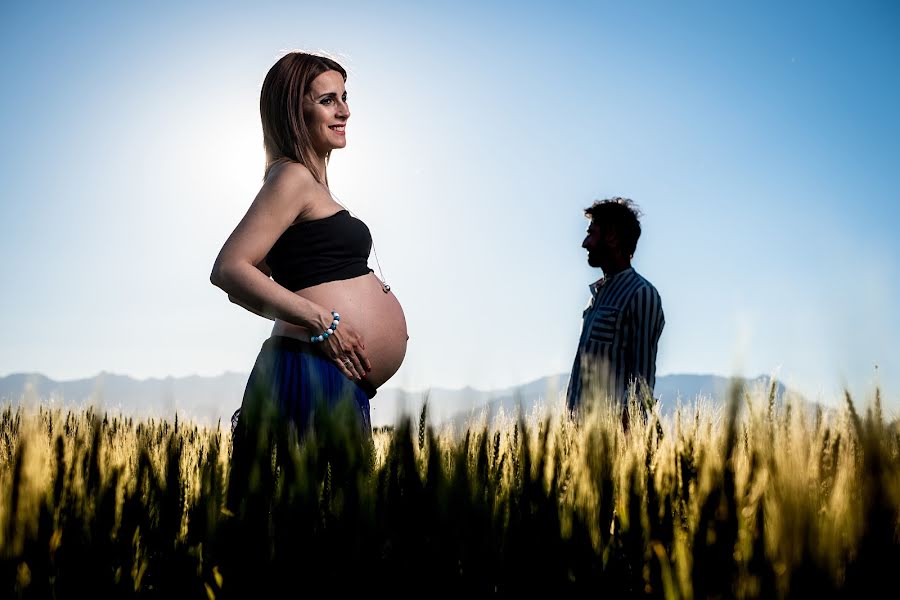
(376, 317)
(346, 348)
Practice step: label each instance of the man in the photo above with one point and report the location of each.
(624, 319)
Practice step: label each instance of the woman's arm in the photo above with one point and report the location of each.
(255, 311)
(262, 266)
(282, 198)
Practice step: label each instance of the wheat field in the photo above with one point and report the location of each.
(757, 500)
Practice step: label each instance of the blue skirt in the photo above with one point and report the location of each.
(295, 379)
(298, 378)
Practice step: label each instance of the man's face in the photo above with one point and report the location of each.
(601, 244)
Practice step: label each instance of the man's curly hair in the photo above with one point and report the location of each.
(620, 215)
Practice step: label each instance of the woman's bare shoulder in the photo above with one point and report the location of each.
(289, 188)
(290, 174)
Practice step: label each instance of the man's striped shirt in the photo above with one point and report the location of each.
(619, 336)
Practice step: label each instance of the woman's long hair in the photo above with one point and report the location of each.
(285, 134)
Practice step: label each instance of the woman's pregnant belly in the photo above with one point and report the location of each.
(376, 316)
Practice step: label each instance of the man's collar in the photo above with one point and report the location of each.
(595, 287)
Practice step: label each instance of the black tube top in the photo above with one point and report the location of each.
(313, 252)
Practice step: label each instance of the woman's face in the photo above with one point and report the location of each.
(326, 112)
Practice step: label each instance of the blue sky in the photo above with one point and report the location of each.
(761, 141)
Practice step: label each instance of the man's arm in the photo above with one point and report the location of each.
(647, 324)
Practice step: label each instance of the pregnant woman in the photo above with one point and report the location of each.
(339, 331)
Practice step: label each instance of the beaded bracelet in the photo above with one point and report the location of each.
(331, 329)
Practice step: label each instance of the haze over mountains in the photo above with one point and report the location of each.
(209, 399)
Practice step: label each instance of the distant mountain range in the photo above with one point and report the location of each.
(208, 399)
